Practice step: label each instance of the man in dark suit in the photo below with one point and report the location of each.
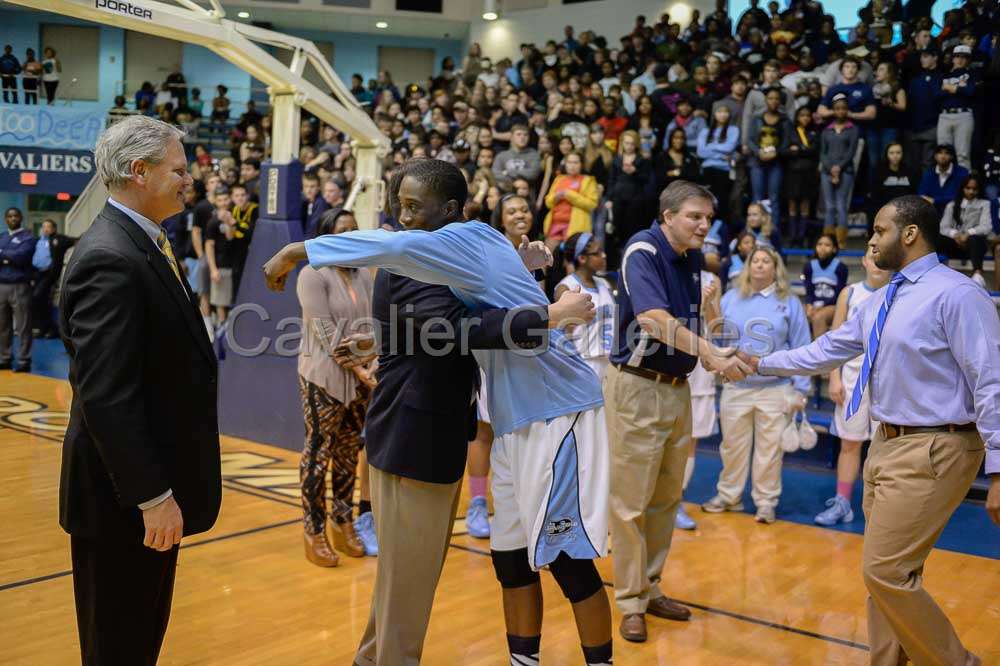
(50, 254)
(141, 462)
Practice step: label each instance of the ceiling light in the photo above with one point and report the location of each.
(490, 10)
(243, 14)
(490, 16)
(381, 25)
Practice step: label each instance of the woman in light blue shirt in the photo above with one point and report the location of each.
(716, 145)
(760, 312)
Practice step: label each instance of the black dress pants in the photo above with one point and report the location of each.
(974, 250)
(123, 592)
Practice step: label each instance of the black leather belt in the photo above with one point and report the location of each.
(957, 110)
(891, 431)
(652, 375)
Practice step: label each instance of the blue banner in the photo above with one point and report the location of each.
(44, 170)
(50, 127)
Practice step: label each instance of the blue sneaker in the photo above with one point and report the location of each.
(838, 511)
(684, 521)
(364, 525)
(477, 519)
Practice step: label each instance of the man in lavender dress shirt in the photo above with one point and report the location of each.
(935, 387)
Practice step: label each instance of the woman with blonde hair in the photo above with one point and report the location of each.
(766, 317)
(627, 194)
(761, 225)
(571, 200)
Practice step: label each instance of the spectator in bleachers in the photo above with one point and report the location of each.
(922, 98)
(754, 412)
(940, 183)
(687, 121)
(51, 69)
(838, 146)
(30, 77)
(571, 200)
(676, 162)
(598, 157)
(626, 194)
(802, 175)
(119, 110)
(611, 122)
(890, 110)
(220, 107)
(250, 177)
(218, 251)
(732, 265)
(10, 67)
(645, 125)
(955, 102)
(768, 138)
(824, 277)
(716, 145)
(520, 160)
(966, 225)
(893, 178)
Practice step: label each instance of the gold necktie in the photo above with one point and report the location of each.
(168, 252)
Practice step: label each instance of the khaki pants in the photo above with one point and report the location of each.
(752, 418)
(912, 486)
(649, 428)
(413, 522)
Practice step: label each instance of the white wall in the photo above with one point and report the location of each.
(610, 18)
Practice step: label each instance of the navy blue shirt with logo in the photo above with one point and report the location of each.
(654, 276)
(859, 96)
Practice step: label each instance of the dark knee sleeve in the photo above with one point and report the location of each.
(578, 579)
(512, 568)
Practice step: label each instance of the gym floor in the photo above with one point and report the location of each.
(789, 593)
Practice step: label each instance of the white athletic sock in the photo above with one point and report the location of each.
(688, 471)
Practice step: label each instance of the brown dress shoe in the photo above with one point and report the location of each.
(634, 628)
(668, 610)
(318, 550)
(345, 539)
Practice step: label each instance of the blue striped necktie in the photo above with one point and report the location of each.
(873, 339)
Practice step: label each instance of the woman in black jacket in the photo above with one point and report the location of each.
(627, 195)
(801, 155)
(893, 178)
(676, 162)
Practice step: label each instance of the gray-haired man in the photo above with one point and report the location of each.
(140, 467)
(657, 343)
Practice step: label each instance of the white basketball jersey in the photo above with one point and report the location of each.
(857, 294)
(701, 381)
(594, 339)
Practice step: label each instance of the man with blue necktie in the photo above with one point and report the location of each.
(931, 363)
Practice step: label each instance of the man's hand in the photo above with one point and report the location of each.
(837, 392)
(355, 350)
(278, 267)
(993, 498)
(573, 307)
(726, 361)
(534, 254)
(752, 361)
(164, 525)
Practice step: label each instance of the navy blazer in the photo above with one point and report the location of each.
(422, 414)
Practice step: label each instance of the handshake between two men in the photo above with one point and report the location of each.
(730, 363)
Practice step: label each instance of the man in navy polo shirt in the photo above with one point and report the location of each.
(657, 343)
(16, 250)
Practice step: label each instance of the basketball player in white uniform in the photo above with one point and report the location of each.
(702, 383)
(593, 341)
(860, 428)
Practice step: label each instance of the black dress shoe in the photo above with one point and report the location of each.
(22, 367)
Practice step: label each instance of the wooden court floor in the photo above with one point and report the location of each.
(784, 594)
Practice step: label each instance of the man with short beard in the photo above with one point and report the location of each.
(931, 367)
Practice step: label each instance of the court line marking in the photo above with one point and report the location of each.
(721, 611)
(221, 537)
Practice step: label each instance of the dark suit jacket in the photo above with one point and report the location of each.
(422, 414)
(143, 373)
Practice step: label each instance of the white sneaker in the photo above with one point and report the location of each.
(765, 515)
(978, 278)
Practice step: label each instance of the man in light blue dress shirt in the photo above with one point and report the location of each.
(931, 341)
